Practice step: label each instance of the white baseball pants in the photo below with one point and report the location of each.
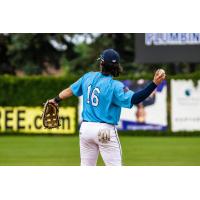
(90, 146)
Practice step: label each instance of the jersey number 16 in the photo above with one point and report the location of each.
(94, 98)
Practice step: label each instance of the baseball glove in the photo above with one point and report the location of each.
(50, 116)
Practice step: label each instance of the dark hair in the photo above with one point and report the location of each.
(113, 69)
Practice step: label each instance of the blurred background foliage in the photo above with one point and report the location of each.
(75, 53)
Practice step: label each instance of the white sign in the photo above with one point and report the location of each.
(151, 114)
(185, 105)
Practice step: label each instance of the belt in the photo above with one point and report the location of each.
(100, 122)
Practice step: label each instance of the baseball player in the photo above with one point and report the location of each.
(103, 98)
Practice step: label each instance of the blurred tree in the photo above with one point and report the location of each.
(88, 53)
(5, 66)
(33, 53)
(77, 52)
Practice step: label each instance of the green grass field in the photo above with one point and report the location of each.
(64, 151)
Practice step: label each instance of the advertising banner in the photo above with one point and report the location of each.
(151, 114)
(167, 47)
(185, 105)
(28, 120)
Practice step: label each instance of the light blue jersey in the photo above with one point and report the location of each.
(103, 97)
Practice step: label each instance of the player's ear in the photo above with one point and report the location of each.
(101, 65)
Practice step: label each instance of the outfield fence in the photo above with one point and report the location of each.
(21, 100)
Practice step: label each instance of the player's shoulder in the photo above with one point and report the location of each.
(118, 86)
(89, 74)
(117, 83)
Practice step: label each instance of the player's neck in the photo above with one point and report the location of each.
(105, 74)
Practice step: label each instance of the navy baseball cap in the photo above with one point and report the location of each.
(109, 56)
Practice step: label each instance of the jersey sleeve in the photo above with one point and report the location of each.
(122, 95)
(77, 87)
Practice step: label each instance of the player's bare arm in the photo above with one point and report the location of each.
(66, 93)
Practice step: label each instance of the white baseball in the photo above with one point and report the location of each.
(161, 71)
